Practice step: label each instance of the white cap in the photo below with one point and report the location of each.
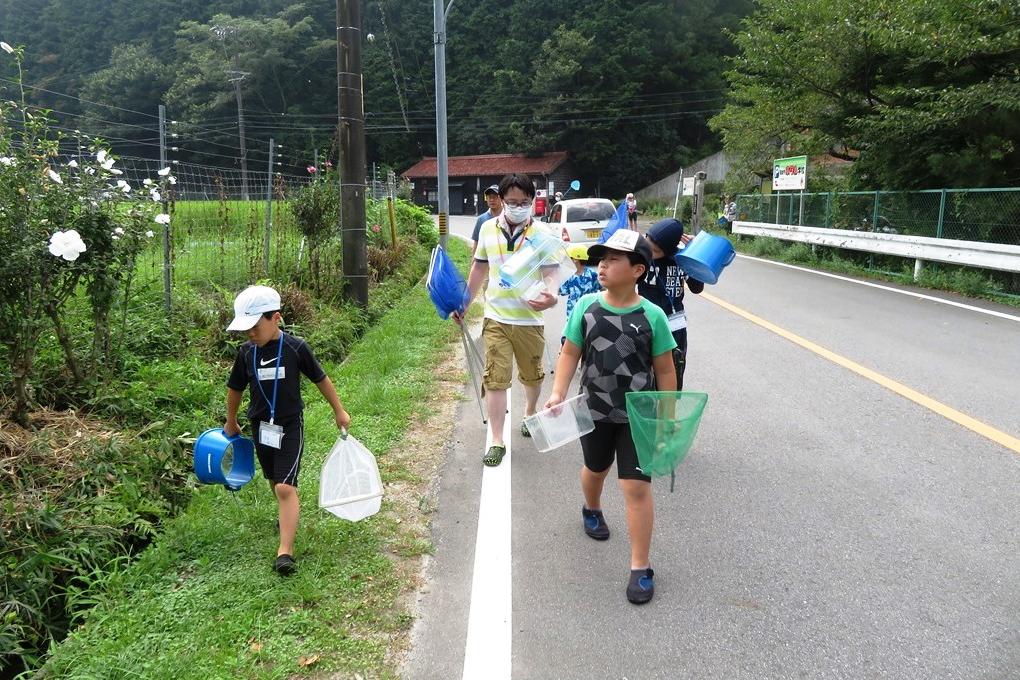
(250, 304)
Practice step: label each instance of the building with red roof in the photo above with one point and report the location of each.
(470, 175)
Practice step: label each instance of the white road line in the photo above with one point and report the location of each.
(490, 628)
(881, 287)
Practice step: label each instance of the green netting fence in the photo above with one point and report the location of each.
(989, 215)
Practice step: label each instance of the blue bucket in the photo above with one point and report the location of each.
(220, 459)
(705, 256)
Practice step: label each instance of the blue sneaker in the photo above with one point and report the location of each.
(641, 586)
(595, 524)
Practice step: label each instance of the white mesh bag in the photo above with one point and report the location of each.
(350, 486)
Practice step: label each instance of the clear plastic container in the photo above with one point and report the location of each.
(561, 424)
(539, 250)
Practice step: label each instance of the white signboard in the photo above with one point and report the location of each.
(789, 173)
(688, 186)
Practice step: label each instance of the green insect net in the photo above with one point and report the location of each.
(663, 426)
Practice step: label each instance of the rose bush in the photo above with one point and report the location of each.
(66, 223)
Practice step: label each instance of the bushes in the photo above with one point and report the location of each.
(78, 499)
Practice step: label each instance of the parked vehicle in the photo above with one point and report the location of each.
(580, 220)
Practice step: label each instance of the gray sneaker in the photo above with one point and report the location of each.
(595, 524)
(641, 586)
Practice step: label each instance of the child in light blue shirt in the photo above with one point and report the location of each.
(585, 280)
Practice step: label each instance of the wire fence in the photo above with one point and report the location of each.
(215, 236)
(989, 215)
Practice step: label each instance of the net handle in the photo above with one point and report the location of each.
(346, 501)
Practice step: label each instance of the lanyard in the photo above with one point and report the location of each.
(510, 239)
(276, 378)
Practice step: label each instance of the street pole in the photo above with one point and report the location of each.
(442, 160)
(351, 134)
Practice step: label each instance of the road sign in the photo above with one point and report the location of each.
(789, 173)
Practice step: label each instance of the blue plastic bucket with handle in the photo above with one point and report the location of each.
(705, 257)
(220, 459)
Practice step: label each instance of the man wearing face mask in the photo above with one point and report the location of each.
(513, 328)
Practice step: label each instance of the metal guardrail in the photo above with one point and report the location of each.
(999, 256)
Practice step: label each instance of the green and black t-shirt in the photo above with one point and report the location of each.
(617, 347)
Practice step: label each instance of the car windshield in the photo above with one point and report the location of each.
(589, 212)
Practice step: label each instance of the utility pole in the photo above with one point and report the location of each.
(442, 160)
(351, 135)
(236, 77)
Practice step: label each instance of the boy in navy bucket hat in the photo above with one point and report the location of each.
(270, 365)
(663, 284)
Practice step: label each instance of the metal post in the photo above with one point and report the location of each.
(777, 205)
(316, 161)
(167, 300)
(679, 186)
(269, 212)
(442, 160)
(352, 150)
(942, 216)
(874, 212)
(828, 210)
(800, 218)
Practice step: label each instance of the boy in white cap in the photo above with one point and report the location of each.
(270, 364)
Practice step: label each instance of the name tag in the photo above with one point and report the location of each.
(270, 435)
(270, 373)
(677, 321)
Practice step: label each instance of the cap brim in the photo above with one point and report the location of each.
(243, 322)
(598, 251)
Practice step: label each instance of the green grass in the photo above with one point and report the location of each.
(203, 602)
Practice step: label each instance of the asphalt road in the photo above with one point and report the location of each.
(824, 526)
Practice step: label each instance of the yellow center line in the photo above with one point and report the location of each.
(983, 429)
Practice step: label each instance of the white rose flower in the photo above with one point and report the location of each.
(149, 233)
(119, 231)
(6, 48)
(162, 218)
(67, 244)
(4, 160)
(55, 177)
(72, 163)
(164, 172)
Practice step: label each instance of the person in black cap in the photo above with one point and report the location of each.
(663, 284)
(627, 347)
(495, 204)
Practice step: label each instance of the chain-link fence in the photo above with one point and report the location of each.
(216, 237)
(989, 215)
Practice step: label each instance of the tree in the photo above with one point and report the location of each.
(927, 91)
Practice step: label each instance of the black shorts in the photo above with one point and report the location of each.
(608, 441)
(282, 465)
(680, 356)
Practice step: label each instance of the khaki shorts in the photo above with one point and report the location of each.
(504, 342)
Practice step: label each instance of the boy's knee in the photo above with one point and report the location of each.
(636, 489)
(284, 491)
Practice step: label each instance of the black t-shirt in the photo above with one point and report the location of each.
(664, 285)
(297, 358)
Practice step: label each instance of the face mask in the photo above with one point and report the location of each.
(517, 215)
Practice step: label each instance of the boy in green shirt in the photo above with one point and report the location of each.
(627, 347)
